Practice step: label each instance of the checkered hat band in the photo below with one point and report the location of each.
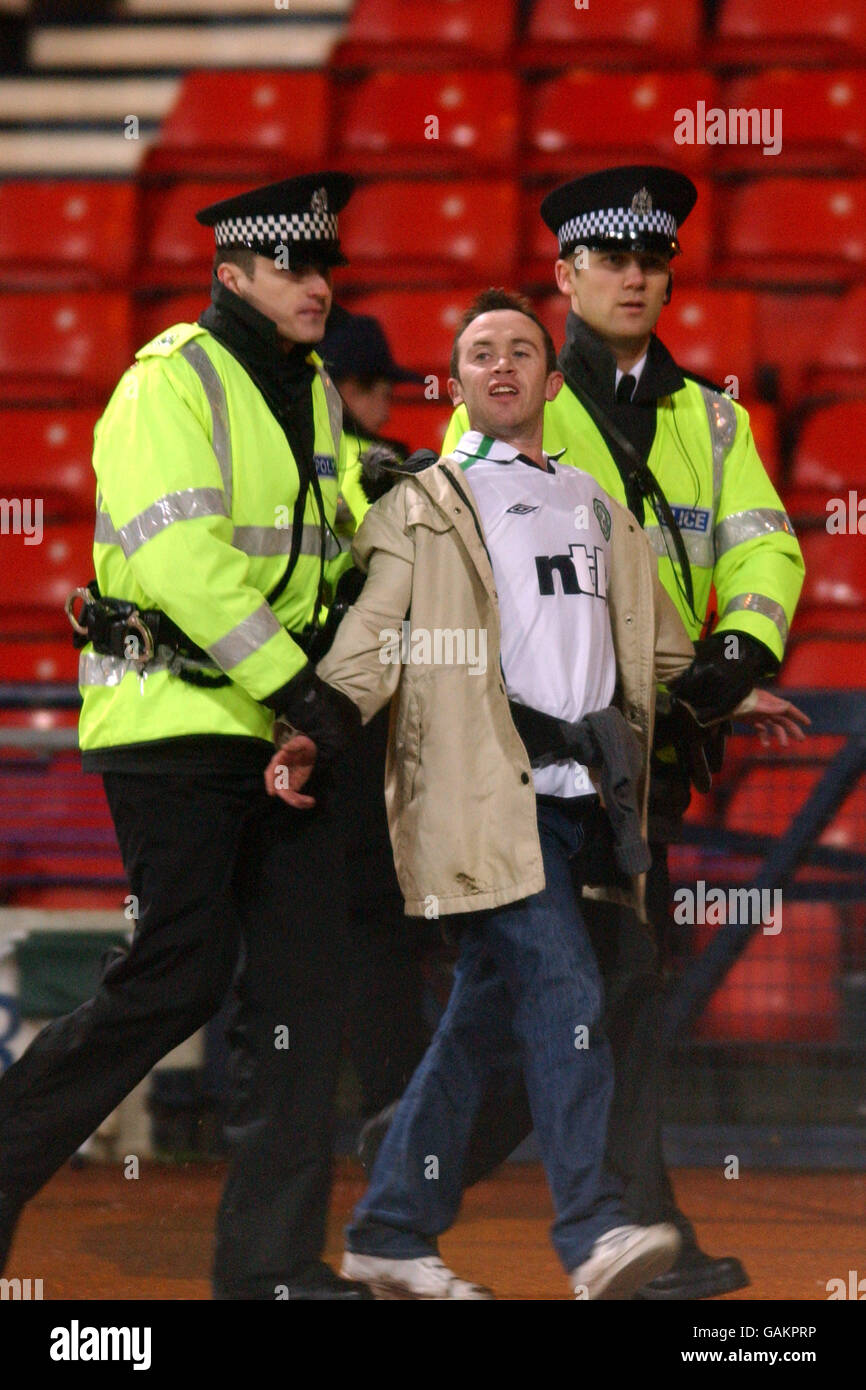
(298, 226)
(616, 222)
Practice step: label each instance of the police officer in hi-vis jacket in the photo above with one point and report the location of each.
(218, 466)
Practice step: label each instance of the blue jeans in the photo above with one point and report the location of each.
(526, 972)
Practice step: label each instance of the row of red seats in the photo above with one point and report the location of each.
(464, 120)
(73, 346)
(102, 234)
(785, 987)
(556, 31)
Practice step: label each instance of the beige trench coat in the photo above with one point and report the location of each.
(458, 784)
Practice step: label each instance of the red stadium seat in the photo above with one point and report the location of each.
(253, 125)
(837, 360)
(420, 326)
(829, 458)
(829, 245)
(847, 830)
(154, 315)
(469, 232)
(787, 327)
(767, 798)
(31, 662)
(835, 570)
(584, 120)
(540, 246)
(825, 663)
(785, 987)
(47, 453)
(63, 346)
(177, 250)
(759, 32)
(829, 622)
(398, 33)
(712, 332)
(427, 123)
(38, 579)
(619, 32)
(824, 125)
(66, 232)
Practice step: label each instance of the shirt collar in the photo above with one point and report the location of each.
(586, 359)
(474, 446)
(634, 371)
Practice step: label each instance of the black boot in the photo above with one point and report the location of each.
(695, 1274)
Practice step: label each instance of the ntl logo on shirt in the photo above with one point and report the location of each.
(580, 572)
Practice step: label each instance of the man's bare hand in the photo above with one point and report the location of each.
(289, 770)
(772, 717)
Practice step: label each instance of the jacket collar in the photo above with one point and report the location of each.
(587, 359)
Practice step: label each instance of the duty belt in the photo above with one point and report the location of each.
(116, 627)
(119, 628)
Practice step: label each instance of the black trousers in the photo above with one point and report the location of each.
(230, 884)
(627, 953)
(387, 1031)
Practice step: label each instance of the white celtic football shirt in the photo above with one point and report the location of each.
(548, 534)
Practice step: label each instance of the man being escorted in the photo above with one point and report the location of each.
(680, 454)
(218, 469)
(539, 567)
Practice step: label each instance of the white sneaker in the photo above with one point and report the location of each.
(624, 1259)
(399, 1279)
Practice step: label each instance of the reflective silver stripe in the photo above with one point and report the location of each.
(246, 638)
(94, 669)
(176, 506)
(277, 540)
(747, 526)
(699, 546)
(214, 390)
(723, 429)
(757, 603)
(334, 403)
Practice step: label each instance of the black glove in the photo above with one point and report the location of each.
(717, 681)
(382, 467)
(316, 709)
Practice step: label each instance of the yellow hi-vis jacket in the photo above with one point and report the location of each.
(196, 492)
(737, 535)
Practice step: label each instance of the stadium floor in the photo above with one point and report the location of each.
(92, 1234)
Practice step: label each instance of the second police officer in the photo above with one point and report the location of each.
(680, 453)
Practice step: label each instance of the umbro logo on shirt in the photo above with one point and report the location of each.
(521, 509)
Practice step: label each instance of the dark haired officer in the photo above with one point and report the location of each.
(680, 454)
(218, 466)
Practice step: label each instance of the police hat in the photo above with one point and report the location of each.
(637, 207)
(299, 215)
(355, 345)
